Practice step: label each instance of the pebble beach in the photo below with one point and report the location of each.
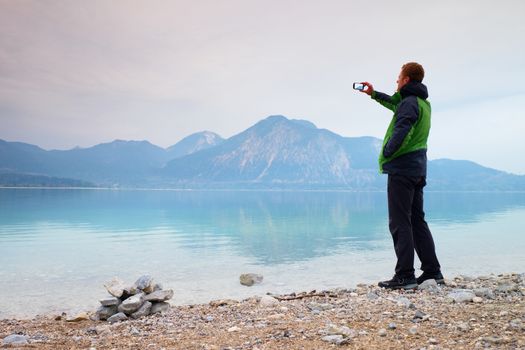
(466, 313)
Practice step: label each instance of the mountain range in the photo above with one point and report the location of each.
(275, 153)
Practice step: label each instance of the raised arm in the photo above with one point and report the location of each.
(385, 100)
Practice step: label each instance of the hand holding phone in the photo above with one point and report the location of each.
(364, 87)
(359, 86)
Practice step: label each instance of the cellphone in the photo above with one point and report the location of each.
(359, 86)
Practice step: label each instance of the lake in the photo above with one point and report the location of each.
(59, 246)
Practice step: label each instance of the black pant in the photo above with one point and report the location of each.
(408, 226)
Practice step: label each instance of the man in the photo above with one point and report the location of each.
(404, 158)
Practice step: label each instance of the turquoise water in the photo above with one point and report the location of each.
(58, 247)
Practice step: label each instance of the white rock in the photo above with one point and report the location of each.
(461, 295)
(477, 299)
(15, 339)
(402, 301)
(268, 301)
(159, 295)
(484, 293)
(145, 283)
(233, 329)
(335, 339)
(81, 316)
(131, 304)
(115, 287)
(342, 330)
(429, 285)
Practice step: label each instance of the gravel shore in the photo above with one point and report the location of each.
(467, 313)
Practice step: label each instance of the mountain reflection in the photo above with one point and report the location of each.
(268, 227)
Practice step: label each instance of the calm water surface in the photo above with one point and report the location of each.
(58, 247)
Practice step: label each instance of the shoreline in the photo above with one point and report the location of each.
(244, 189)
(469, 312)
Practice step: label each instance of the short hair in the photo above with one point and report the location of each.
(414, 71)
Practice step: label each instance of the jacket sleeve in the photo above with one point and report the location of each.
(387, 101)
(407, 115)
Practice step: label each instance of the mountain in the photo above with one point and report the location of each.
(464, 175)
(275, 153)
(193, 143)
(282, 152)
(29, 180)
(107, 164)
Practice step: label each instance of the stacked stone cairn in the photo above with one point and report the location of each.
(141, 299)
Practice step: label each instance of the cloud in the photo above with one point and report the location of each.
(79, 73)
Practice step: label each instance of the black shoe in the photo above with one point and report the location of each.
(399, 283)
(434, 276)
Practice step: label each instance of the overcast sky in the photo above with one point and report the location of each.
(78, 73)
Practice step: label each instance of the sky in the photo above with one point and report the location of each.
(79, 73)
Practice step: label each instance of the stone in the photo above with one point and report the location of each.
(159, 308)
(413, 330)
(392, 325)
(81, 316)
(477, 300)
(110, 301)
(516, 323)
(268, 301)
(507, 288)
(463, 326)
(419, 315)
(129, 291)
(105, 312)
(115, 287)
(131, 304)
(336, 339)
(382, 332)
(159, 295)
(118, 317)
(157, 287)
(145, 284)
(249, 279)
(276, 316)
(493, 340)
(233, 329)
(484, 293)
(402, 301)
(15, 339)
(332, 329)
(320, 306)
(222, 302)
(433, 341)
(429, 285)
(461, 295)
(143, 311)
(372, 296)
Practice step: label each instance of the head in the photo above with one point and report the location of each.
(411, 71)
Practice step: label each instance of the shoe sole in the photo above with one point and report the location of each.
(439, 281)
(407, 287)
